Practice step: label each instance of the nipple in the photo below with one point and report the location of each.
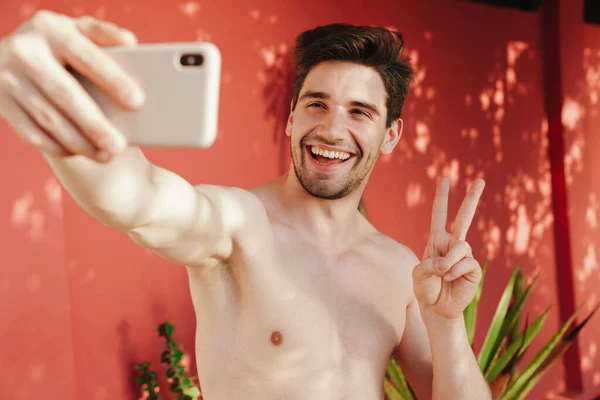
(276, 338)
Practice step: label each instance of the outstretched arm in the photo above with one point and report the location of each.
(157, 208)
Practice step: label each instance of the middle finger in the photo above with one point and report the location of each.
(47, 116)
(74, 102)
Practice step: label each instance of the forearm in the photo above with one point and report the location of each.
(114, 193)
(456, 373)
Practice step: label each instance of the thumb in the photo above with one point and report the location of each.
(430, 267)
(105, 33)
(427, 281)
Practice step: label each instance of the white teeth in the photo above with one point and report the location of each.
(329, 154)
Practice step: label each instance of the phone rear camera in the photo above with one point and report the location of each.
(191, 60)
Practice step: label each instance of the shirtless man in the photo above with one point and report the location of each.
(297, 296)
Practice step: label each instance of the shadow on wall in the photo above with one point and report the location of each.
(128, 359)
(277, 78)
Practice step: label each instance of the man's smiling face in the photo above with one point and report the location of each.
(338, 128)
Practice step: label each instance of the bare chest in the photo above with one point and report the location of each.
(296, 313)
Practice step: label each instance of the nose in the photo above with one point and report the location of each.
(334, 124)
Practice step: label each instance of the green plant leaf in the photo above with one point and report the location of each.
(514, 313)
(492, 340)
(556, 353)
(391, 392)
(177, 354)
(193, 392)
(512, 319)
(520, 382)
(143, 379)
(517, 347)
(398, 378)
(517, 294)
(166, 330)
(470, 313)
(143, 366)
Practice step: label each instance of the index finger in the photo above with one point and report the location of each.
(89, 60)
(467, 210)
(439, 213)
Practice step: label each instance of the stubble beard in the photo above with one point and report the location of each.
(324, 187)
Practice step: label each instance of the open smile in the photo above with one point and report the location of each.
(328, 159)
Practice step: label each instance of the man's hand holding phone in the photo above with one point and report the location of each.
(45, 104)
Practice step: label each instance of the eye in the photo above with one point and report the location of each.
(360, 112)
(318, 105)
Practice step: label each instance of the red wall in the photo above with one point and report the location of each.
(83, 302)
(581, 87)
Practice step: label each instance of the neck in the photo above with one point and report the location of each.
(329, 221)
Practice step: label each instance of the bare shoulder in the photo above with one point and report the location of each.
(242, 214)
(395, 261)
(238, 205)
(238, 195)
(399, 255)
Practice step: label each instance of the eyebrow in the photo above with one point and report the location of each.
(309, 94)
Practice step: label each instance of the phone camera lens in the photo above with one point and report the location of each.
(191, 60)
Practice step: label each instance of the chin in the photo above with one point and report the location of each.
(326, 189)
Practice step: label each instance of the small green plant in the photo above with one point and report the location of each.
(504, 345)
(147, 381)
(176, 371)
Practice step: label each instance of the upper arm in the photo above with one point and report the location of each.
(413, 352)
(188, 224)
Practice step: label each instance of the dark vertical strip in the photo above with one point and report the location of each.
(553, 93)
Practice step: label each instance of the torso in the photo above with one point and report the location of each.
(287, 319)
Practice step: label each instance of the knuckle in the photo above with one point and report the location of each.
(25, 49)
(80, 148)
(42, 19)
(49, 119)
(7, 80)
(444, 264)
(32, 139)
(464, 245)
(17, 47)
(94, 26)
(97, 135)
(63, 95)
(86, 20)
(80, 56)
(86, 24)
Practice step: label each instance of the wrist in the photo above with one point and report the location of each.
(437, 323)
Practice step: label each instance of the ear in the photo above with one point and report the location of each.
(392, 136)
(288, 127)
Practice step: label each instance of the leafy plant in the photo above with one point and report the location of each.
(504, 346)
(147, 380)
(176, 371)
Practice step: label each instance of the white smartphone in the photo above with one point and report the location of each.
(181, 82)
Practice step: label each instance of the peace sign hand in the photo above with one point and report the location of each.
(446, 280)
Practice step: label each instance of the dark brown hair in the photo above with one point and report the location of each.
(375, 47)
